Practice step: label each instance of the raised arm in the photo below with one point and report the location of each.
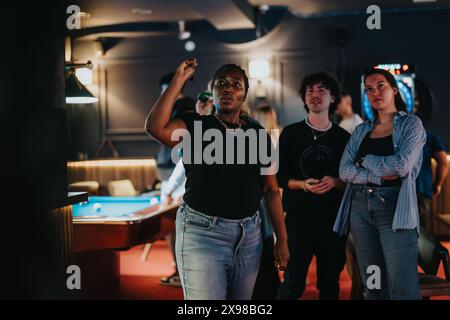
(158, 123)
(408, 151)
(349, 171)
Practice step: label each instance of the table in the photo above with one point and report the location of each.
(103, 226)
(120, 222)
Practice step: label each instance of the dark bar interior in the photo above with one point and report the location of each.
(84, 183)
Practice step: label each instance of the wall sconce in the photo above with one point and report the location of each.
(260, 70)
(76, 92)
(84, 75)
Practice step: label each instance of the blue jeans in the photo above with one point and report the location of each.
(217, 258)
(395, 253)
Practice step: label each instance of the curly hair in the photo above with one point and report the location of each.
(328, 81)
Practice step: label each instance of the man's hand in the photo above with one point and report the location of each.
(309, 183)
(436, 189)
(325, 184)
(167, 200)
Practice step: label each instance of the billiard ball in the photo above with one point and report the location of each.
(97, 207)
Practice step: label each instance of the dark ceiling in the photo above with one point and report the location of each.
(128, 18)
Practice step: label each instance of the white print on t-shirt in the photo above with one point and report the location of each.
(235, 140)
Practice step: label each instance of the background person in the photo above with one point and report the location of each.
(268, 282)
(433, 149)
(350, 119)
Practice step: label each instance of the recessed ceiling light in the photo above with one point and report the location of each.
(422, 1)
(142, 11)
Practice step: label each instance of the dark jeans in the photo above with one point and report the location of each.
(376, 244)
(308, 237)
(424, 205)
(267, 282)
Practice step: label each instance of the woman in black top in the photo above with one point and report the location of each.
(218, 225)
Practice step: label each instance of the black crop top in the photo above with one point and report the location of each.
(379, 147)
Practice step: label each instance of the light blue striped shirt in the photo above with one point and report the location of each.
(409, 137)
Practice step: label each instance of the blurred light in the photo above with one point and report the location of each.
(81, 100)
(84, 75)
(189, 46)
(112, 163)
(259, 69)
(141, 11)
(405, 67)
(83, 15)
(182, 33)
(264, 8)
(76, 92)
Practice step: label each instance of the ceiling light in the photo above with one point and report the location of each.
(182, 33)
(189, 45)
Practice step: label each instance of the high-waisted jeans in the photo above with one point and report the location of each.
(217, 258)
(377, 245)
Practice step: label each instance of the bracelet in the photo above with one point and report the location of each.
(304, 187)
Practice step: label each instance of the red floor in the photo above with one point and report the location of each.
(140, 280)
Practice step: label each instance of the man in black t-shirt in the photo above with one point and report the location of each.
(310, 152)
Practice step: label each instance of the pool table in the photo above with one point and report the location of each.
(105, 226)
(120, 222)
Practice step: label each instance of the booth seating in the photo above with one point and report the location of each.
(92, 187)
(141, 172)
(122, 188)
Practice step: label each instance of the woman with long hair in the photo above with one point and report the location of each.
(380, 165)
